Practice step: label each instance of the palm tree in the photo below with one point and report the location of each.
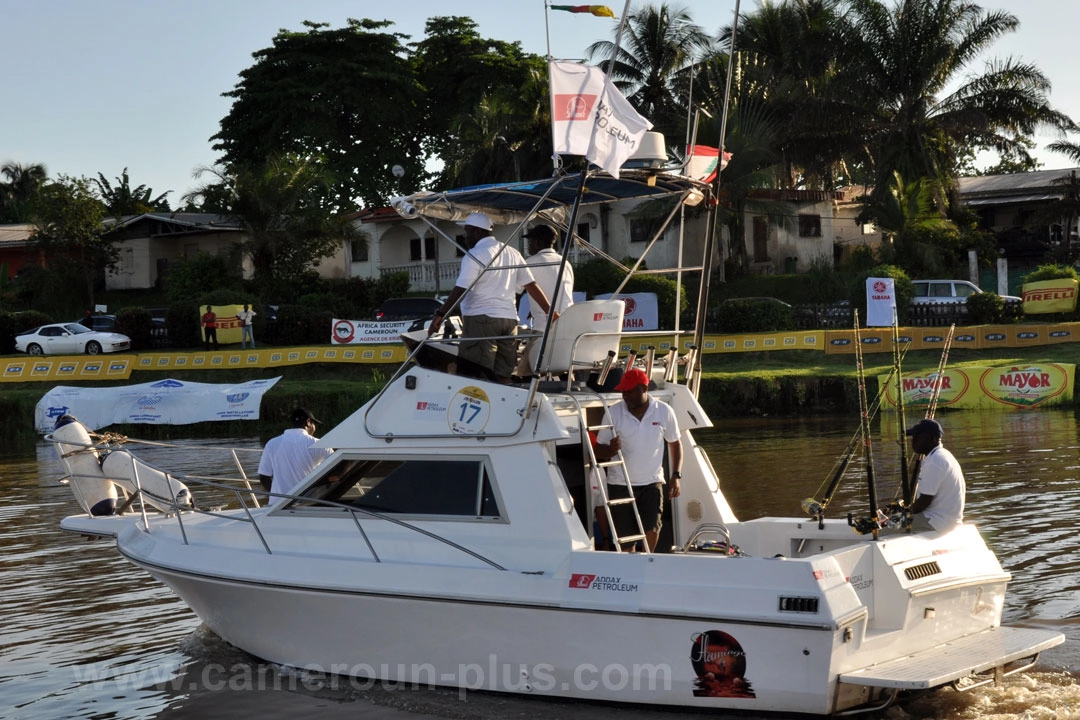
(19, 194)
(284, 208)
(656, 57)
(125, 200)
(896, 67)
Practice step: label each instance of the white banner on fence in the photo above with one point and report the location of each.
(880, 302)
(165, 402)
(642, 311)
(368, 332)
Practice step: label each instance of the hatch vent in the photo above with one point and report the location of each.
(798, 604)
(917, 572)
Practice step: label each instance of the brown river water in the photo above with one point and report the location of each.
(86, 635)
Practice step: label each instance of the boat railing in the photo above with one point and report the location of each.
(226, 486)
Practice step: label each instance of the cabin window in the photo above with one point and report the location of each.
(414, 249)
(458, 487)
(809, 226)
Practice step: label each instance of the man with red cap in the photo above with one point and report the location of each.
(940, 503)
(641, 428)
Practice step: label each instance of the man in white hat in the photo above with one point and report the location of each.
(493, 274)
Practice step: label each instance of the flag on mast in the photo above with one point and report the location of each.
(590, 117)
(705, 162)
(597, 10)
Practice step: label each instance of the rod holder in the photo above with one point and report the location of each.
(691, 361)
(650, 353)
(631, 358)
(671, 366)
(606, 367)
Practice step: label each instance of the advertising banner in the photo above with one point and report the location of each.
(1010, 386)
(228, 325)
(1049, 296)
(367, 332)
(165, 402)
(642, 311)
(880, 302)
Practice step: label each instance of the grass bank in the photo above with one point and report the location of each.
(790, 382)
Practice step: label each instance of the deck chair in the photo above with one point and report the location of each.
(572, 345)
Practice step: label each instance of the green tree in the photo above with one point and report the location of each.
(20, 190)
(126, 200)
(904, 73)
(71, 235)
(281, 205)
(349, 94)
(656, 58)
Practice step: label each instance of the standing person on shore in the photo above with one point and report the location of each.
(641, 427)
(209, 323)
(489, 310)
(289, 457)
(245, 317)
(940, 502)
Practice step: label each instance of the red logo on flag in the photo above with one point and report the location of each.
(879, 286)
(630, 304)
(581, 582)
(574, 107)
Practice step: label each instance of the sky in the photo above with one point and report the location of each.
(96, 86)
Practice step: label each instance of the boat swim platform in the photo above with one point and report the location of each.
(958, 659)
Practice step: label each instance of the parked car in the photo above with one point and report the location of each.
(411, 308)
(937, 292)
(70, 339)
(101, 323)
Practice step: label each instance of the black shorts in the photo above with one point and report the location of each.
(650, 505)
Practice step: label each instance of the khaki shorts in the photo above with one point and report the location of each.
(496, 356)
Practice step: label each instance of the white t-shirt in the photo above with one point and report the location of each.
(245, 316)
(289, 457)
(494, 294)
(644, 441)
(545, 268)
(941, 477)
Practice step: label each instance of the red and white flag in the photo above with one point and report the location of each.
(705, 162)
(590, 117)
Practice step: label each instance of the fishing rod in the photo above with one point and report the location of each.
(931, 408)
(905, 485)
(868, 447)
(817, 508)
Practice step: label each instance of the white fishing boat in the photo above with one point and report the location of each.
(449, 541)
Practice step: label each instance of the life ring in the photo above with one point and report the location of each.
(158, 488)
(95, 493)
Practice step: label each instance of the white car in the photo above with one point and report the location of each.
(70, 339)
(935, 292)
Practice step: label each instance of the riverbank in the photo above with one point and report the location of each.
(792, 382)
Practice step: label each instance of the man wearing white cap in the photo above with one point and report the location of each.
(493, 274)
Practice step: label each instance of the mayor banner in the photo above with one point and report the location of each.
(1049, 296)
(367, 332)
(165, 402)
(1025, 385)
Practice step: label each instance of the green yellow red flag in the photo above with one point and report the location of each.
(597, 10)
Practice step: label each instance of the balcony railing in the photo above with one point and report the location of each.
(422, 274)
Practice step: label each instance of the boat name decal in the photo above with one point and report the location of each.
(859, 583)
(719, 662)
(581, 581)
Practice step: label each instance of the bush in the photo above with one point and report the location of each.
(985, 308)
(135, 322)
(1051, 272)
(750, 316)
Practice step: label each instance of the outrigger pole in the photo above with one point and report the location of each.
(931, 407)
(905, 486)
(868, 448)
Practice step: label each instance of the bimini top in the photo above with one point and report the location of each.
(509, 203)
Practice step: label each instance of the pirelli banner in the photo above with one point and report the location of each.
(1050, 296)
(1005, 387)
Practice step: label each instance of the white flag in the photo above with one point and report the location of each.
(590, 117)
(880, 302)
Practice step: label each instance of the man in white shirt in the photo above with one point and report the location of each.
(489, 310)
(289, 457)
(642, 428)
(544, 262)
(245, 317)
(940, 502)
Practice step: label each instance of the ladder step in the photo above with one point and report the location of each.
(630, 539)
(609, 463)
(600, 427)
(621, 501)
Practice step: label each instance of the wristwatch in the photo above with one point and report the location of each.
(676, 475)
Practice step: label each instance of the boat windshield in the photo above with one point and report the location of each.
(405, 486)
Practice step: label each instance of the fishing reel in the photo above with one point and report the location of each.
(893, 516)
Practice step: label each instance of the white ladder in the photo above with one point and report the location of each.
(593, 472)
